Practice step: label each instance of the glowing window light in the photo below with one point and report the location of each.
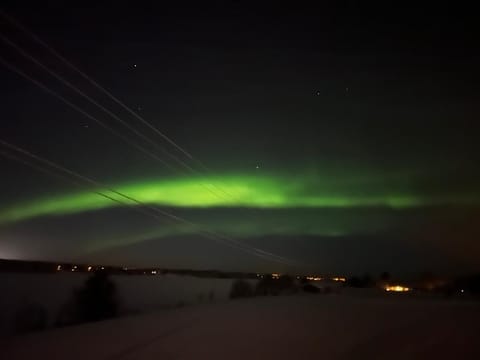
(397, 288)
(59, 267)
(89, 268)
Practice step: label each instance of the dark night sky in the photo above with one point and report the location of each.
(346, 134)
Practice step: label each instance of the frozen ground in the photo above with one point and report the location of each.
(137, 294)
(339, 326)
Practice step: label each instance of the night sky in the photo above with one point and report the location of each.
(342, 138)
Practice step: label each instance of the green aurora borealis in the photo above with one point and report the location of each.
(342, 211)
(348, 142)
(253, 191)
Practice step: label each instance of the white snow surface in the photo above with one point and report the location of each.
(136, 294)
(335, 326)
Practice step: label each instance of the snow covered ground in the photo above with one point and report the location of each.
(137, 294)
(335, 326)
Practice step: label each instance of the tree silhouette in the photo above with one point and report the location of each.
(241, 288)
(97, 299)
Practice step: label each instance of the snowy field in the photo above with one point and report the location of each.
(335, 326)
(136, 294)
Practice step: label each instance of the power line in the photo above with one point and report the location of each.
(78, 109)
(206, 233)
(73, 87)
(16, 70)
(110, 113)
(78, 91)
(93, 82)
(46, 171)
(38, 40)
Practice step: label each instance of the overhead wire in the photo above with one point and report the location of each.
(45, 88)
(71, 86)
(46, 171)
(178, 147)
(92, 81)
(97, 185)
(78, 91)
(16, 70)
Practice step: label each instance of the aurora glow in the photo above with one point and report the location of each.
(333, 137)
(274, 192)
(269, 222)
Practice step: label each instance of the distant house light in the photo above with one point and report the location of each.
(154, 272)
(276, 276)
(59, 267)
(89, 268)
(397, 288)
